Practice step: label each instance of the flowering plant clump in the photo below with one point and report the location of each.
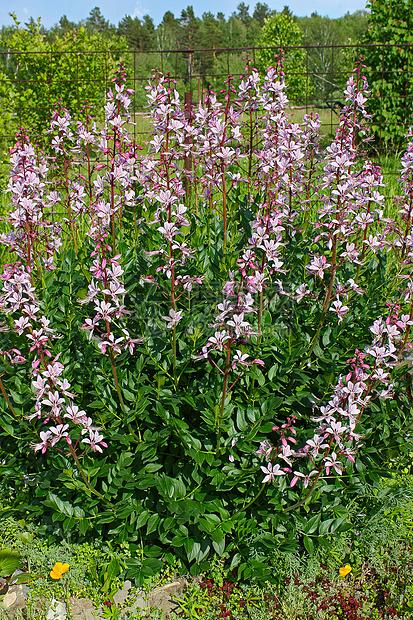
(204, 341)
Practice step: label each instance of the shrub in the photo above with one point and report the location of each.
(387, 58)
(281, 31)
(38, 73)
(203, 335)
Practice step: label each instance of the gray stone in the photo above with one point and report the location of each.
(162, 598)
(4, 586)
(57, 610)
(159, 598)
(121, 595)
(15, 598)
(140, 603)
(83, 609)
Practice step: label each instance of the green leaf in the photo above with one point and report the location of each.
(192, 549)
(326, 336)
(142, 519)
(235, 561)
(152, 523)
(272, 371)
(324, 527)
(26, 537)
(219, 544)
(242, 424)
(9, 561)
(24, 578)
(312, 524)
(309, 545)
(113, 570)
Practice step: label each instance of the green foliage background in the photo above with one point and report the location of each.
(39, 74)
(278, 31)
(389, 62)
(172, 493)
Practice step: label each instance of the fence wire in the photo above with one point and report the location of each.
(32, 84)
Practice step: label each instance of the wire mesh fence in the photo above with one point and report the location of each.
(32, 84)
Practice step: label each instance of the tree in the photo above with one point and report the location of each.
(189, 27)
(328, 64)
(62, 28)
(243, 13)
(65, 25)
(318, 33)
(6, 33)
(352, 26)
(210, 33)
(234, 32)
(286, 11)
(96, 22)
(388, 58)
(167, 32)
(139, 34)
(279, 32)
(261, 12)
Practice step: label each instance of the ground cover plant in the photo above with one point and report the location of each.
(366, 573)
(206, 344)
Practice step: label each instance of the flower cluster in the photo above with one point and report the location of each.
(216, 147)
(36, 239)
(352, 203)
(183, 188)
(34, 235)
(163, 182)
(336, 436)
(280, 167)
(112, 192)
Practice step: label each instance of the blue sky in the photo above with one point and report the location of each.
(50, 12)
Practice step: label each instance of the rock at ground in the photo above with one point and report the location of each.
(121, 595)
(4, 586)
(83, 609)
(57, 611)
(162, 598)
(15, 598)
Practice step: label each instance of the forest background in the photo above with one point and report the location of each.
(241, 29)
(73, 62)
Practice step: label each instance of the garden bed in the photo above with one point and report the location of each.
(366, 574)
(205, 367)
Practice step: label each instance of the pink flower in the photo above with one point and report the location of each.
(340, 309)
(332, 461)
(45, 437)
(265, 448)
(271, 472)
(318, 265)
(306, 478)
(173, 318)
(96, 441)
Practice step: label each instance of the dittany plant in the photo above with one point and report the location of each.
(203, 342)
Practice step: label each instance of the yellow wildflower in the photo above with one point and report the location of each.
(345, 570)
(59, 569)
